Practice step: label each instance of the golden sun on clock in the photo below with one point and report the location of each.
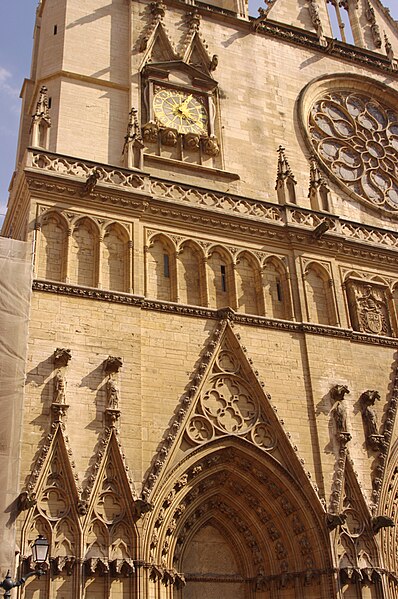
(181, 111)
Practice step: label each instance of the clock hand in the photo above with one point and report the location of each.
(183, 106)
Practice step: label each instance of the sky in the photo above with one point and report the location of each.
(16, 31)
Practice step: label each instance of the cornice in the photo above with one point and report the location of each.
(296, 36)
(143, 303)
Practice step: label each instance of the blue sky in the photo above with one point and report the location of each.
(16, 29)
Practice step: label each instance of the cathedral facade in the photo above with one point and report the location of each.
(211, 375)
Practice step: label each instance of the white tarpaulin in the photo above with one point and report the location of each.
(15, 293)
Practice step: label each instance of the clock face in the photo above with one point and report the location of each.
(181, 111)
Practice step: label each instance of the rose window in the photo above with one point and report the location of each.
(357, 139)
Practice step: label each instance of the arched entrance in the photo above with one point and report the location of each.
(231, 521)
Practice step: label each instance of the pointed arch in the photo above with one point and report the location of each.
(115, 259)
(191, 274)
(55, 485)
(319, 294)
(53, 246)
(161, 276)
(248, 284)
(221, 281)
(109, 531)
(84, 253)
(275, 526)
(276, 289)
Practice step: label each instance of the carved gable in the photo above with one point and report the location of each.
(226, 399)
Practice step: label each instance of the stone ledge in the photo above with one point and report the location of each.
(210, 313)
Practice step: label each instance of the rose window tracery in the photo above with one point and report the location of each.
(356, 137)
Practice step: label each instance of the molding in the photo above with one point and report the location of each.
(209, 313)
(188, 166)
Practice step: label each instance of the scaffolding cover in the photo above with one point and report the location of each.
(15, 293)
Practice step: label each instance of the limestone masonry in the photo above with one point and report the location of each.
(211, 377)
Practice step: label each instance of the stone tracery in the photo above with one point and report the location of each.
(356, 137)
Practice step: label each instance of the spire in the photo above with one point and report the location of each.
(42, 108)
(285, 181)
(41, 121)
(318, 190)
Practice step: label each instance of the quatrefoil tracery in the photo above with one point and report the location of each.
(227, 405)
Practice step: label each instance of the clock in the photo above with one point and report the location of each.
(181, 111)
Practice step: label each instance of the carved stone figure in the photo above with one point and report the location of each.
(59, 388)
(369, 416)
(368, 399)
(169, 137)
(150, 132)
(92, 181)
(112, 394)
(316, 21)
(210, 146)
(191, 141)
(62, 357)
(113, 364)
(339, 412)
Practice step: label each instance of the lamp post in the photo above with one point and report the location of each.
(40, 553)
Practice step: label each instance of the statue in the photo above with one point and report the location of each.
(112, 392)
(369, 416)
(339, 412)
(60, 388)
(92, 181)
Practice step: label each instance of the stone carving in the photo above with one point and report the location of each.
(169, 136)
(26, 500)
(339, 412)
(150, 132)
(375, 29)
(133, 143)
(192, 141)
(285, 181)
(368, 307)
(112, 394)
(379, 522)
(353, 134)
(373, 439)
(59, 388)
(210, 146)
(62, 357)
(59, 407)
(91, 181)
(113, 365)
(316, 21)
(318, 190)
(335, 520)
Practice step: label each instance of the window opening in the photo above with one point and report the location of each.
(279, 291)
(166, 266)
(55, 29)
(49, 102)
(340, 20)
(223, 277)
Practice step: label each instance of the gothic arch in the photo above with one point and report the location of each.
(84, 252)
(221, 280)
(277, 298)
(53, 246)
(248, 284)
(161, 276)
(276, 526)
(321, 307)
(115, 259)
(191, 274)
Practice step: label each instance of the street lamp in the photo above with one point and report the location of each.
(40, 553)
